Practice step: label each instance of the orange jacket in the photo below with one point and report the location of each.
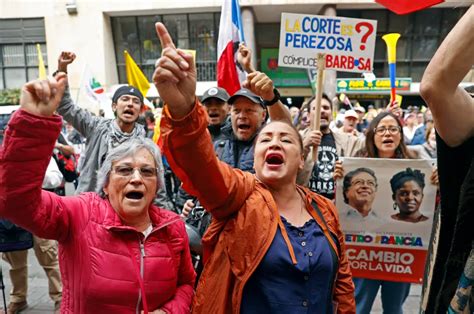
(245, 218)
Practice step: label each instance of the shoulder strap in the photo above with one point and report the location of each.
(333, 237)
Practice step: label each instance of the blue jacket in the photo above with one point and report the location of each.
(238, 154)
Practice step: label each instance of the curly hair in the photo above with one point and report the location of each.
(399, 179)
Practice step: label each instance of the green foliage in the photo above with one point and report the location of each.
(9, 97)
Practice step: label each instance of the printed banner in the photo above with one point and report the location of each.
(386, 209)
(348, 43)
(378, 85)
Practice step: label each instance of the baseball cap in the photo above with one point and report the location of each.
(351, 114)
(359, 109)
(215, 92)
(127, 90)
(243, 92)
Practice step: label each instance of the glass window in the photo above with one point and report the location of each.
(400, 24)
(197, 31)
(424, 47)
(15, 77)
(427, 22)
(32, 54)
(202, 36)
(417, 70)
(449, 20)
(177, 26)
(126, 38)
(13, 55)
(422, 32)
(18, 52)
(33, 73)
(151, 47)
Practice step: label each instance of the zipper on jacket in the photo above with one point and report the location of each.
(142, 271)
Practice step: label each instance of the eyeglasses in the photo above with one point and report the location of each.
(391, 129)
(127, 171)
(369, 183)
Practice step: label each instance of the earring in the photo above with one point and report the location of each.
(395, 206)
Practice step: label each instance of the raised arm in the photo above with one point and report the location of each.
(452, 107)
(24, 158)
(187, 143)
(260, 84)
(82, 120)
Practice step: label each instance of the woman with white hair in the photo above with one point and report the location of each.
(117, 251)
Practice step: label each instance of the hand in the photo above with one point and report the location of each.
(175, 76)
(42, 97)
(338, 170)
(434, 179)
(260, 84)
(244, 57)
(394, 108)
(65, 58)
(312, 139)
(187, 207)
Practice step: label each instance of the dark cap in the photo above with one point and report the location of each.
(127, 90)
(215, 92)
(243, 92)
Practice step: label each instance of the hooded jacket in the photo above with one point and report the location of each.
(245, 218)
(106, 266)
(99, 132)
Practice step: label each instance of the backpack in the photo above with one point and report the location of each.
(67, 165)
(14, 238)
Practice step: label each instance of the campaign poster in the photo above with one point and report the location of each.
(386, 209)
(348, 43)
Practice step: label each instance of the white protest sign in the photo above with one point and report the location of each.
(348, 43)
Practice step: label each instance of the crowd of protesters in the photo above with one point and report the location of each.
(244, 161)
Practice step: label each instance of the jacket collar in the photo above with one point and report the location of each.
(158, 219)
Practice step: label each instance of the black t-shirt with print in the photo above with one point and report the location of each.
(321, 180)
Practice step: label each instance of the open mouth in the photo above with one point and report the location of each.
(134, 195)
(128, 112)
(213, 115)
(387, 141)
(274, 159)
(243, 126)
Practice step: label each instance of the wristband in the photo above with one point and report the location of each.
(275, 99)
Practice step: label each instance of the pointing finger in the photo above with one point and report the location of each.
(164, 36)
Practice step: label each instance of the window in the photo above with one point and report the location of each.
(421, 34)
(136, 34)
(18, 53)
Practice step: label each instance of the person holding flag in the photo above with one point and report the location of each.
(229, 73)
(104, 134)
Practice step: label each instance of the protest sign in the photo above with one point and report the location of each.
(386, 209)
(348, 43)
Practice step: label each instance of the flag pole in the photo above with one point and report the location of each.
(316, 122)
(81, 82)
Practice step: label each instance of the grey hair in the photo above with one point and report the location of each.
(127, 149)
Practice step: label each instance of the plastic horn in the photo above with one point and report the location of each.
(391, 41)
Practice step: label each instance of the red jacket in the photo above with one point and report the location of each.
(245, 218)
(100, 257)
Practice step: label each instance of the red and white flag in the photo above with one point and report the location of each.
(229, 76)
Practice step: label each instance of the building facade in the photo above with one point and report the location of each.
(99, 31)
